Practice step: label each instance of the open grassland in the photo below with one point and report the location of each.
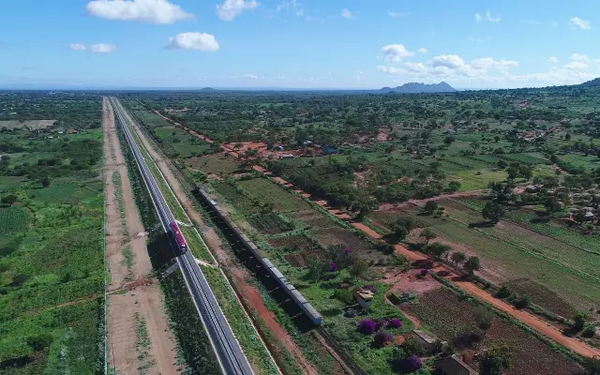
(451, 318)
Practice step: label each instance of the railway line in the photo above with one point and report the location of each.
(232, 359)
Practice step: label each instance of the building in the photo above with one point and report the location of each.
(453, 365)
(364, 297)
(426, 341)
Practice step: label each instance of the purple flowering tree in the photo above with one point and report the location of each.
(334, 267)
(394, 323)
(382, 339)
(366, 326)
(380, 323)
(411, 364)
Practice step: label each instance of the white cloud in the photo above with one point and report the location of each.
(418, 68)
(77, 47)
(390, 69)
(422, 50)
(486, 17)
(249, 76)
(233, 8)
(576, 65)
(397, 14)
(194, 41)
(153, 11)
(448, 61)
(577, 22)
(347, 14)
(579, 57)
(553, 60)
(486, 63)
(395, 52)
(103, 48)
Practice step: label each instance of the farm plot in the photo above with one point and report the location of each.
(532, 158)
(220, 164)
(292, 243)
(341, 237)
(179, 143)
(542, 296)
(301, 259)
(311, 218)
(13, 219)
(66, 192)
(269, 192)
(28, 124)
(452, 319)
(270, 223)
(242, 204)
(512, 252)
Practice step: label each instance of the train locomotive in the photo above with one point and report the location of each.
(179, 240)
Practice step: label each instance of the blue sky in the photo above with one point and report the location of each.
(299, 44)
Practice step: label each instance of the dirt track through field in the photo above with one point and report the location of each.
(146, 301)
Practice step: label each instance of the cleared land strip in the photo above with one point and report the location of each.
(237, 320)
(128, 259)
(530, 320)
(246, 291)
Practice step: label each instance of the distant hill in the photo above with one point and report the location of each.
(207, 89)
(418, 88)
(592, 83)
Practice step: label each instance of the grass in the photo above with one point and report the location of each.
(475, 180)
(267, 192)
(13, 219)
(143, 345)
(219, 164)
(51, 262)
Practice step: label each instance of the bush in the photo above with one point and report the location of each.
(522, 302)
(503, 292)
(411, 364)
(366, 326)
(382, 339)
(394, 323)
(380, 323)
(589, 331)
(579, 321)
(344, 296)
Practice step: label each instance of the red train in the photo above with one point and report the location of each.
(181, 244)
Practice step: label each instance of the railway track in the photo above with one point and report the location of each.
(232, 359)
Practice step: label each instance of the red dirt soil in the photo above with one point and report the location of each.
(526, 318)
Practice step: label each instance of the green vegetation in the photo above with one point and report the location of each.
(51, 255)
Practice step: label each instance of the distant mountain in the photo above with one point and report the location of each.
(418, 88)
(592, 83)
(207, 89)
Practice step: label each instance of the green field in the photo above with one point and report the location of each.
(13, 219)
(512, 251)
(266, 191)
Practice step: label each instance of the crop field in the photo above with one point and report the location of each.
(266, 191)
(178, 143)
(270, 223)
(450, 318)
(341, 237)
(218, 164)
(292, 243)
(51, 261)
(13, 219)
(27, 124)
(514, 252)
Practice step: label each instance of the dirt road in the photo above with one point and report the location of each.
(147, 303)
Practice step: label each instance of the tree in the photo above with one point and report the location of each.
(457, 257)
(315, 268)
(472, 264)
(453, 186)
(495, 361)
(579, 321)
(437, 249)
(402, 227)
(9, 199)
(493, 212)
(430, 207)
(484, 318)
(358, 267)
(448, 140)
(502, 164)
(46, 182)
(592, 366)
(428, 234)
(552, 205)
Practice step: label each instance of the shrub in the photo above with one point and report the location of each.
(394, 323)
(350, 313)
(380, 323)
(503, 292)
(522, 302)
(343, 295)
(589, 331)
(579, 321)
(366, 326)
(411, 364)
(382, 339)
